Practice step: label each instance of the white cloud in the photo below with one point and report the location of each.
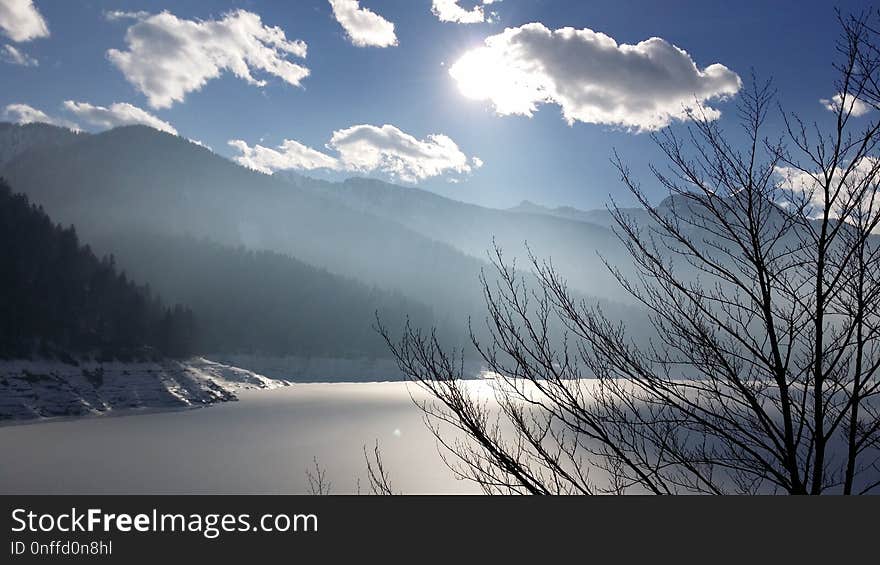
(169, 57)
(25, 114)
(115, 15)
(369, 148)
(21, 21)
(364, 27)
(859, 108)
(289, 155)
(862, 181)
(12, 55)
(118, 114)
(365, 149)
(450, 11)
(591, 77)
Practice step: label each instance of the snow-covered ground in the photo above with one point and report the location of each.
(46, 389)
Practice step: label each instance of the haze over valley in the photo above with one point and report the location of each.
(550, 247)
(285, 265)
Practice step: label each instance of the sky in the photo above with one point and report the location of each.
(485, 101)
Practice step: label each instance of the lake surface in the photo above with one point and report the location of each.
(262, 444)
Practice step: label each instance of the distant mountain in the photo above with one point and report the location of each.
(575, 246)
(601, 217)
(176, 214)
(566, 212)
(139, 179)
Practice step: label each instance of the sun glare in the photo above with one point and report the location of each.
(486, 74)
(477, 74)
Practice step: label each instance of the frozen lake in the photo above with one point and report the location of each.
(262, 444)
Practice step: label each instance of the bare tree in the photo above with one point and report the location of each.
(377, 475)
(760, 277)
(318, 482)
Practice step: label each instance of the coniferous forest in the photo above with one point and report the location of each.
(58, 298)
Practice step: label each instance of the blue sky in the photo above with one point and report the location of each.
(543, 158)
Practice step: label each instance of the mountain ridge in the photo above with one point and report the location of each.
(134, 177)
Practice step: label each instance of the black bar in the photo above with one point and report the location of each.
(464, 529)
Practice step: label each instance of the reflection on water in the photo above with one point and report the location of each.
(262, 444)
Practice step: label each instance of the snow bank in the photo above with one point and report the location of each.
(44, 389)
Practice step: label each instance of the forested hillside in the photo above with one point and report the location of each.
(263, 302)
(58, 298)
(16, 139)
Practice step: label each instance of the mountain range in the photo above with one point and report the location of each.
(256, 255)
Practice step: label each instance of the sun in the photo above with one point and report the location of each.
(477, 73)
(486, 73)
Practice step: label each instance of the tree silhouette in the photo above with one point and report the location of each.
(759, 277)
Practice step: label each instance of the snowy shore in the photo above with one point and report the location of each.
(50, 389)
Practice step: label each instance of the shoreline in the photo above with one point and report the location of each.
(240, 396)
(49, 390)
(113, 413)
(34, 391)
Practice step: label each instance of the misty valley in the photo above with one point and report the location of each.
(327, 291)
(143, 273)
(351, 336)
